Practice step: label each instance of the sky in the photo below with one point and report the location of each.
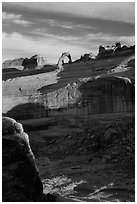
(51, 28)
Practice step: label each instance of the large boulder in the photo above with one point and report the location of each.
(21, 181)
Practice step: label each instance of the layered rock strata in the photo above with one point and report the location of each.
(87, 96)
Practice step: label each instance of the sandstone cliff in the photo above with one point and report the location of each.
(85, 97)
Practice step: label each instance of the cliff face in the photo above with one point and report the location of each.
(87, 96)
(102, 95)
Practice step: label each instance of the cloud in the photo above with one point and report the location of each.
(51, 45)
(16, 45)
(114, 11)
(14, 18)
(67, 24)
(109, 38)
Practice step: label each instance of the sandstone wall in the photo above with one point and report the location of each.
(86, 97)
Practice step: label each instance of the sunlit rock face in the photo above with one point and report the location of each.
(35, 61)
(15, 63)
(86, 97)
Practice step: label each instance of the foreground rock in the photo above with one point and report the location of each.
(21, 181)
(20, 177)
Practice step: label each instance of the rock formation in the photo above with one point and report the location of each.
(35, 61)
(40, 60)
(87, 96)
(86, 57)
(114, 50)
(21, 181)
(52, 94)
(104, 52)
(16, 63)
(61, 59)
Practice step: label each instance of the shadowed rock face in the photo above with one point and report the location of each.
(20, 176)
(34, 61)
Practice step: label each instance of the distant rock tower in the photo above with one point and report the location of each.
(35, 62)
(39, 59)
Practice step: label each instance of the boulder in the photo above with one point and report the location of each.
(21, 181)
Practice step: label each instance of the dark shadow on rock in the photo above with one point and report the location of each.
(107, 95)
(27, 111)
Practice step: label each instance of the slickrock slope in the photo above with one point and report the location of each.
(82, 88)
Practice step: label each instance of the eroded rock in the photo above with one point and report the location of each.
(15, 63)
(21, 181)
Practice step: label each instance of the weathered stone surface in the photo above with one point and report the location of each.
(61, 60)
(40, 59)
(21, 181)
(114, 50)
(86, 97)
(86, 57)
(35, 61)
(15, 63)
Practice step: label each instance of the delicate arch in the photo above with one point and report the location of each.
(61, 59)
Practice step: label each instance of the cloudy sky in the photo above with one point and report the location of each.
(49, 29)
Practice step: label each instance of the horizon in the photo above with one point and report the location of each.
(50, 29)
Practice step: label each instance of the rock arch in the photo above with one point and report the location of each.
(61, 59)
